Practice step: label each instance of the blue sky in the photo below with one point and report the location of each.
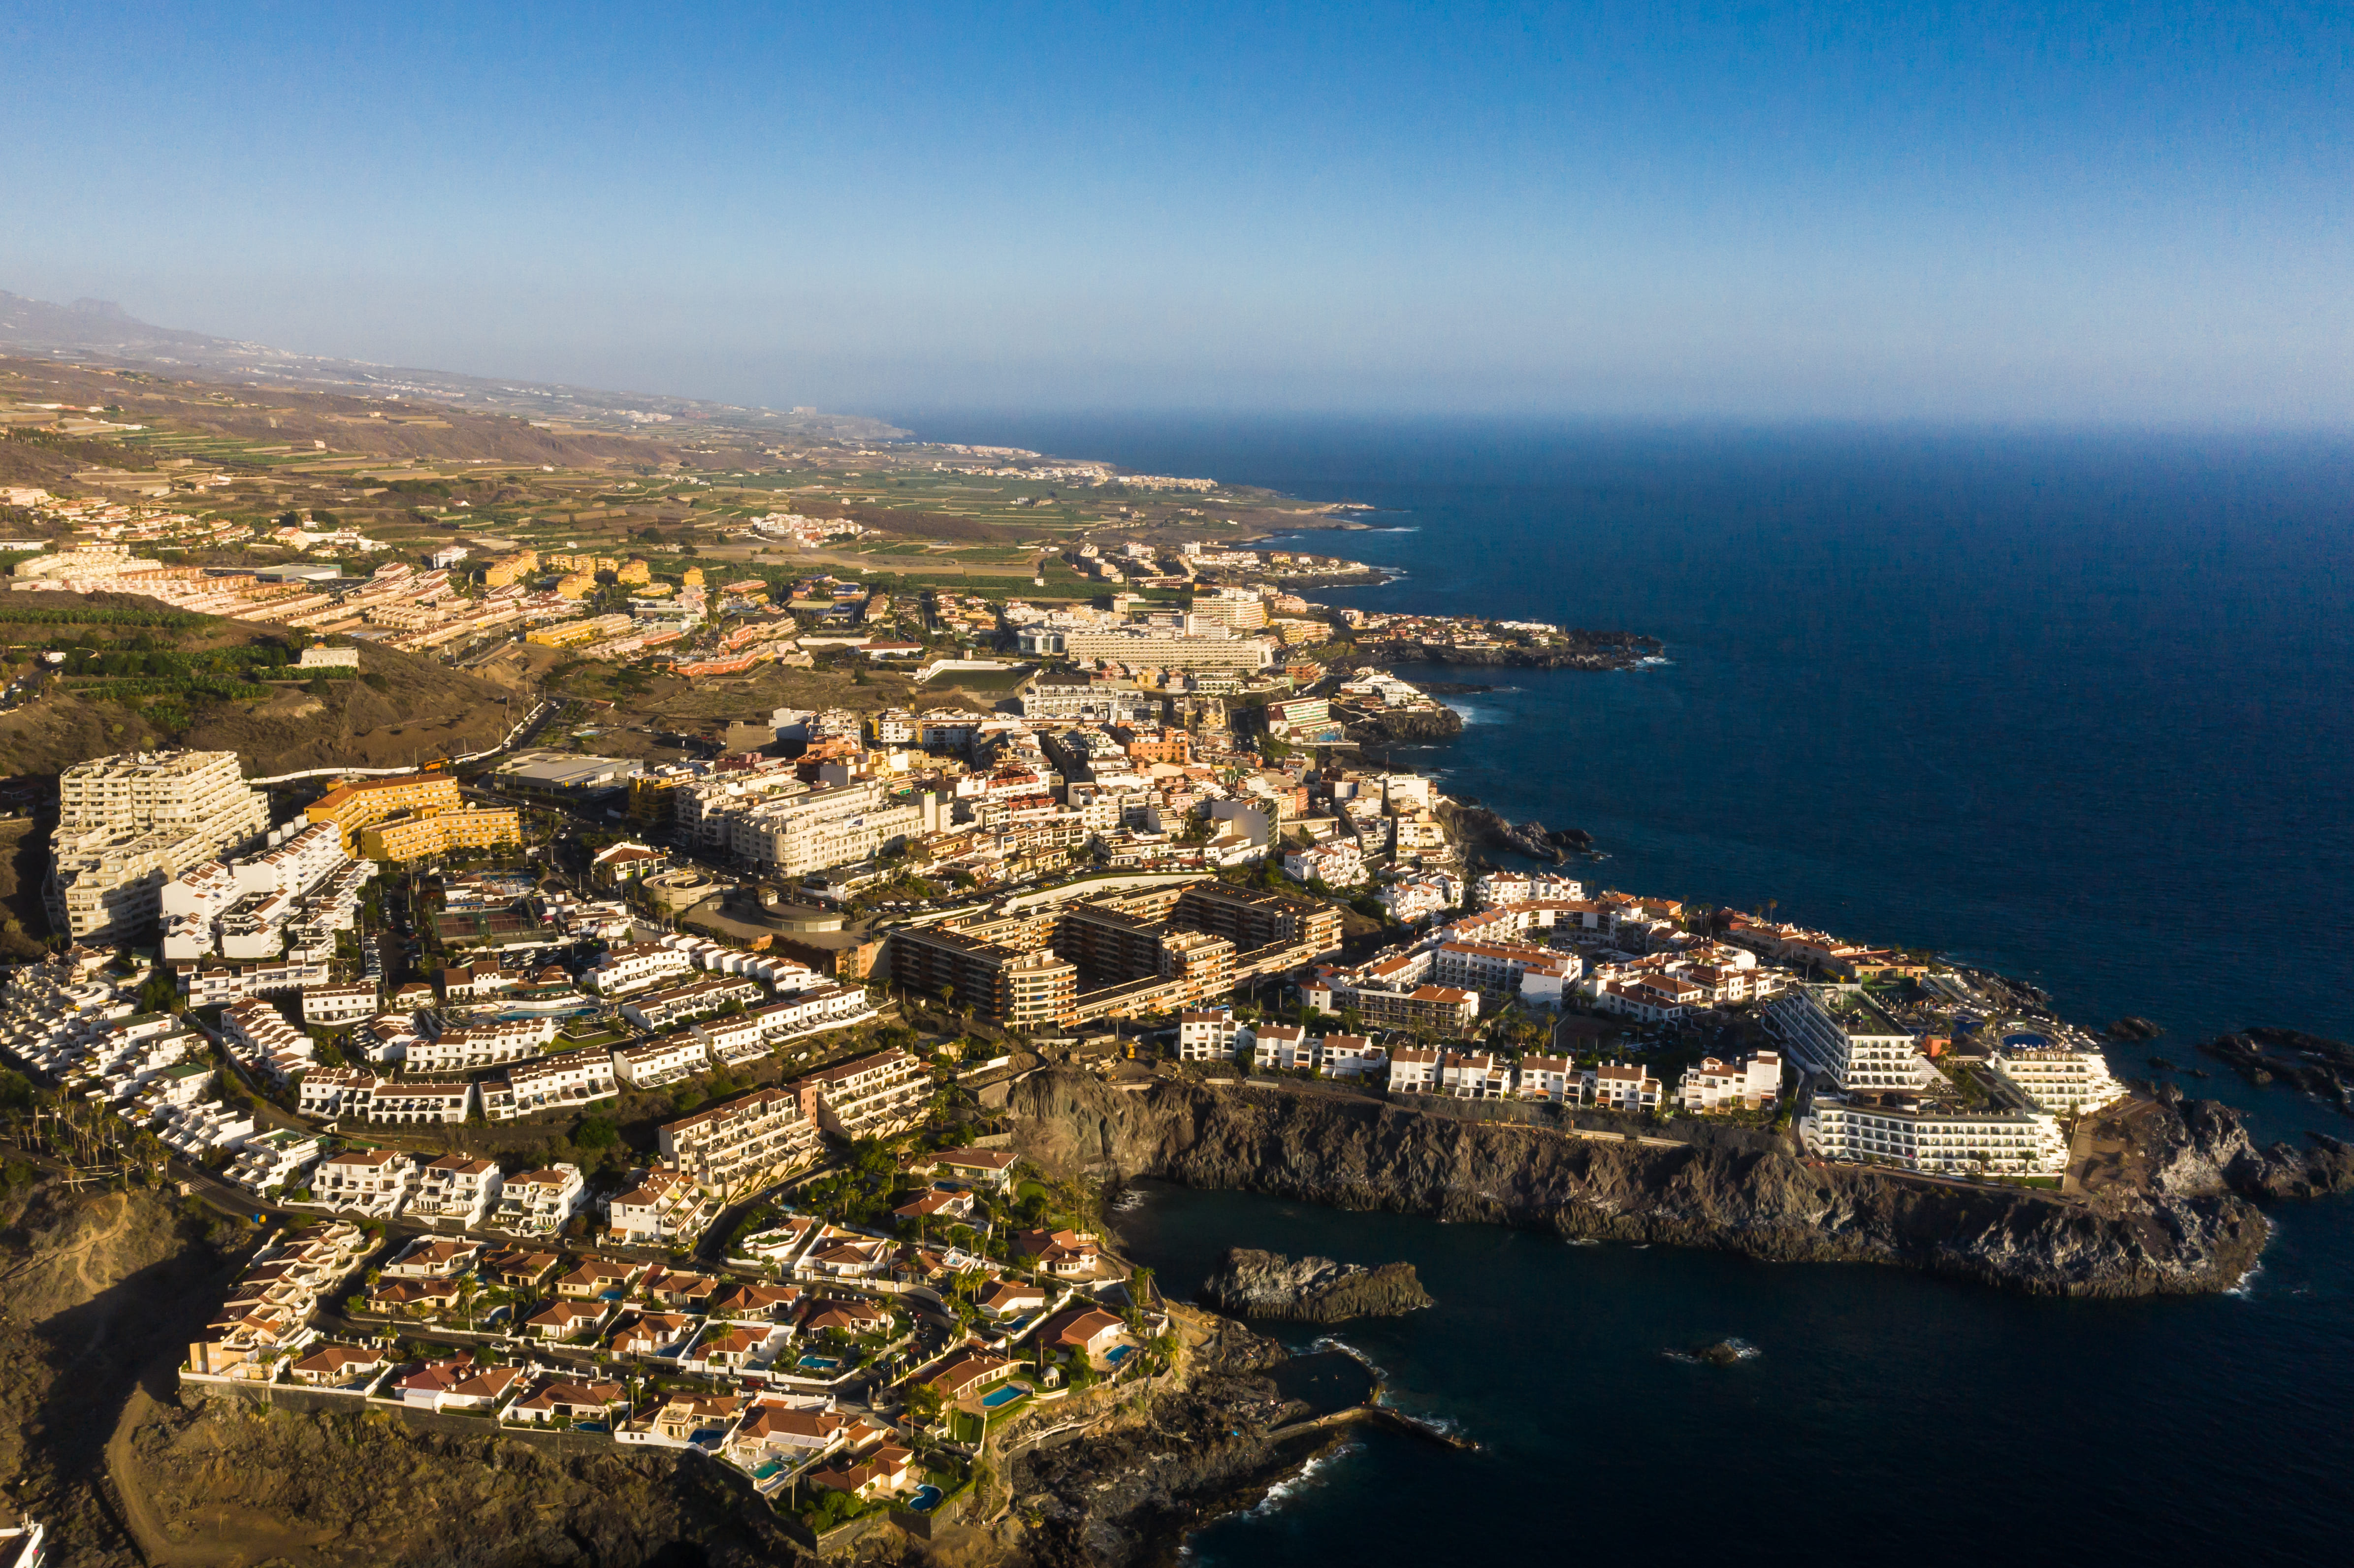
(2102, 212)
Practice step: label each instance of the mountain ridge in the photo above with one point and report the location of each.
(103, 329)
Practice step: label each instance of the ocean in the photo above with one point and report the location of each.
(2071, 705)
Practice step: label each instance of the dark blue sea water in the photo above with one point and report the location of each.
(2075, 706)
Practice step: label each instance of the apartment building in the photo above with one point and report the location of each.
(663, 1208)
(420, 1102)
(331, 1093)
(539, 1203)
(869, 1097)
(1752, 1083)
(625, 968)
(823, 828)
(735, 1148)
(350, 809)
(1351, 1056)
(463, 1048)
(1553, 1078)
(418, 838)
(2061, 1079)
(129, 823)
(332, 1006)
(1413, 1070)
(650, 1064)
(1141, 648)
(276, 1159)
(1475, 1075)
(1843, 1034)
(455, 1191)
(1537, 975)
(1922, 1133)
(261, 1037)
(375, 1181)
(810, 1013)
(731, 1042)
(1019, 987)
(1213, 1036)
(1621, 1086)
(1281, 1047)
(566, 1081)
(662, 1009)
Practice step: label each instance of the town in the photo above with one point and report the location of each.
(657, 1094)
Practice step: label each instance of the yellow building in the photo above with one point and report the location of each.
(650, 796)
(576, 584)
(573, 634)
(692, 576)
(505, 569)
(413, 838)
(634, 570)
(360, 804)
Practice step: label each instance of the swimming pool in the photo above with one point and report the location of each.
(767, 1471)
(2029, 1041)
(926, 1498)
(1002, 1396)
(820, 1363)
(1118, 1353)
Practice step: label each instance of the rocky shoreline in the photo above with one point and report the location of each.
(1590, 651)
(1374, 728)
(2181, 1222)
(1130, 1491)
(1249, 1283)
(1476, 827)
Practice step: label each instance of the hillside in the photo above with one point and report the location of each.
(222, 684)
(96, 1288)
(101, 331)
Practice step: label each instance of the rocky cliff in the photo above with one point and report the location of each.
(2190, 1231)
(1380, 728)
(1584, 651)
(1254, 1283)
(1476, 827)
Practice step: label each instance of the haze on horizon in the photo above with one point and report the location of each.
(2129, 213)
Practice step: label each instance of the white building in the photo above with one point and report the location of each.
(1902, 1129)
(1501, 887)
(662, 1209)
(1281, 1047)
(1751, 1083)
(565, 1081)
(540, 1202)
(626, 968)
(274, 1159)
(468, 1047)
(1843, 1034)
(650, 1064)
(455, 1191)
(1413, 1070)
(2061, 1079)
(420, 1102)
(1621, 1086)
(332, 1006)
(129, 823)
(1213, 1036)
(1553, 1078)
(375, 1181)
(261, 1037)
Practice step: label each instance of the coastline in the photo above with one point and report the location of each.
(2193, 1227)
